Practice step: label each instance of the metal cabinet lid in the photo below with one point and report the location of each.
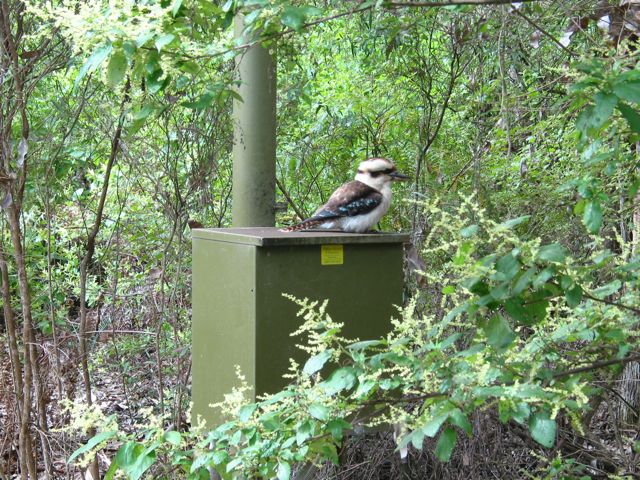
(273, 237)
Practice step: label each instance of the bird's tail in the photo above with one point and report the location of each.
(304, 225)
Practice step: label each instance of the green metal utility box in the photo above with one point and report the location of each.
(241, 318)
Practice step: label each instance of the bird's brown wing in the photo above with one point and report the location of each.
(353, 198)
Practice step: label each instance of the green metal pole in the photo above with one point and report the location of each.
(254, 145)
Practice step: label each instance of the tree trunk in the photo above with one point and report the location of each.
(86, 261)
(25, 301)
(628, 411)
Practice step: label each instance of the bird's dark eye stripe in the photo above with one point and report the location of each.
(379, 172)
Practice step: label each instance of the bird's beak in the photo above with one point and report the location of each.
(399, 176)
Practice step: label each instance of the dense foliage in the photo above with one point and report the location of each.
(520, 125)
(523, 329)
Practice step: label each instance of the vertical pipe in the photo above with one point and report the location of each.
(254, 145)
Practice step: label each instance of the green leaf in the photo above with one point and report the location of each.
(252, 17)
(631, 116)
(138, 118)
(464, 250)
(433, 425)
(284, 470)
(93, 442)
(318, 411)
(573, 296)
(583, 122)
(499, 333)
(608, 289)
(316, 362)
(113, 468)
(203, 101)
(176, 7)
(629, 91)
(328, 450)
(500, 292)
(482, 393)
(164, 40)
(143, 113)
(303, 432)
(449, 289)
(245, 412)
(517, 311)
(336, 427)
(592, 216)
(117, 68)
(566, 282)
(521, 412)
(552, 253)
(341, 379)
(94, 61)
(450, 340)
(541, 278)
(144, 37)
(129, 48)
(605, 103)
(524, 280)
(469, 231)
(460, 420)
(364, 388)
(173, 437)
(134, 459)
(270, 421)
(295, 17)
(155, 81)
(473, 350)
(416, 438)
(233, 464)
(508, 266)
(446, 444)
(515, 222)
(365, 344)
(543, 429)
(529, 310)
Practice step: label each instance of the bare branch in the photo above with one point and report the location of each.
(544, 32)
(448, 3)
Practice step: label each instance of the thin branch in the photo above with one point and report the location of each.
(597, 365)
(404, 399)
(111, 331)
(363, 7)
(544, 32)
(609, 302)
(299, 212)
(448, 3)
(590, 297)
(245, 46)
(457, 175)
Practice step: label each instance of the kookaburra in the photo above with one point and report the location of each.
(358, 205)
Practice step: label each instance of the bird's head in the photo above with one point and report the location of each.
(378, 172)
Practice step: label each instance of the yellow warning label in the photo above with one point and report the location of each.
(331, 255)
